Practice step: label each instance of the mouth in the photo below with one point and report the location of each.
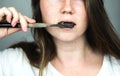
(65, 24)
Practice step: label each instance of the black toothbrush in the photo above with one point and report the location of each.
(39, 25)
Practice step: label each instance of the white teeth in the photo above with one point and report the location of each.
(66, 24)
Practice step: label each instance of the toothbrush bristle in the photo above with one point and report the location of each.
(63, 24)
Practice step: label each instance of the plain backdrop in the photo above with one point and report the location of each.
(24, 6)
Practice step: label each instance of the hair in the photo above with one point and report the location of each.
(43, 39)
(100, 34)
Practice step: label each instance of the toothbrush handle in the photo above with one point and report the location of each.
(8, 25)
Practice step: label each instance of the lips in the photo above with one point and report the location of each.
(66, 24)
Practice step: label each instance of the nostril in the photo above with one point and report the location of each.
(67, 12)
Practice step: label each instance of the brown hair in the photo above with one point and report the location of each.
(99, 34)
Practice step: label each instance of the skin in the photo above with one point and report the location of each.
(74, 55)
(73, 52)
(13, 16)
(64, 10)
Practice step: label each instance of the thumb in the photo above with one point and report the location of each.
(7, 31)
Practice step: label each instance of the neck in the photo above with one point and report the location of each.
(73, 52)
(76, 57)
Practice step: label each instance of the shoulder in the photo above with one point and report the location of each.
(114, 63)
(110, 66)
(14, 62)
(113, 60)
(11, 54)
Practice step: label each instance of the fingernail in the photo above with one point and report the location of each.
(13, 24)
(25, 29)
(34, 20)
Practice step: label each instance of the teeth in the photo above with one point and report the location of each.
(66, 24)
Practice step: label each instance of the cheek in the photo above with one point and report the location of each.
(81, 16)
(49, 15)
(49, 12)
(80, 12)
(44, 12)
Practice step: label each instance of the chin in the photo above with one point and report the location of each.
(70, 37)
(66, 38)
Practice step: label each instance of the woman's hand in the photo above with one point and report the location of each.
(12, 16)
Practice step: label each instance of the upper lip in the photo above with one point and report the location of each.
(67, 21)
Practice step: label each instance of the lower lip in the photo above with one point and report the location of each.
(67, 29)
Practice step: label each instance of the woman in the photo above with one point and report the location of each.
(90, 48)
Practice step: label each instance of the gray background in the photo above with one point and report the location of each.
(24, 6)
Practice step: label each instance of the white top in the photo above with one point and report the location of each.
(13, 62)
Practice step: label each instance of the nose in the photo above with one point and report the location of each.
(67, 7)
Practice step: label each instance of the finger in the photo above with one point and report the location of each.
(30, 20)
(23, 22)
(12, 30)
(15, 16)
(5, 12)
(1, 14)
(5, 31)
(0, 18)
